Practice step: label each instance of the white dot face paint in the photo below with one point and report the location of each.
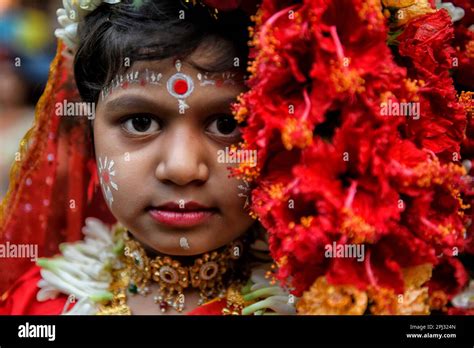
(106, 172)
(183, 243)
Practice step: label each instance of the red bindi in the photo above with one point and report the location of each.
(180, 86)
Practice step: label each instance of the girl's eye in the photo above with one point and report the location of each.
(140, 124)
(224, 125)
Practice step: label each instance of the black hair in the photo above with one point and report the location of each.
(154, 30)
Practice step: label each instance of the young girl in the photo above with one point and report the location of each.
(349, 197)
(156, 81)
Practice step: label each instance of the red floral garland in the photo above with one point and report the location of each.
(332, 168)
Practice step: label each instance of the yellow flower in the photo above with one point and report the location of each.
(414, 301)
(406, 14)
(326, 299)
(296, 133)
(398, 3)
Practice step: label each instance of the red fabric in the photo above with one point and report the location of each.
(53, 188)
(21, 299)
(211, 308)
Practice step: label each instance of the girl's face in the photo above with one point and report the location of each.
(158, 150)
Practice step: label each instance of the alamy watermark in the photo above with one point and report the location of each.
(237, 156)
(75, 109)
(335, 250)
(23, 251)
(28, 330)
(390, 108)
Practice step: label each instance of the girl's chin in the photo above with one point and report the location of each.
(180, 243)
(172, 250)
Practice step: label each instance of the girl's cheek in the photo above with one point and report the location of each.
(237, 197)
(118, 178)
(107, 170)
(244, 192)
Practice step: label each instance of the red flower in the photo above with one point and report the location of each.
(425, 41)
(331, 166)
(427, 53)
(449, 276)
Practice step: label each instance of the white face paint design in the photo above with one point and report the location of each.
(245, 188)
(106, 172)
(183, 243)
(180, 86)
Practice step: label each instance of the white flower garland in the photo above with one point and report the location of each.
(74, 12)
(267, 296)
(83, 271)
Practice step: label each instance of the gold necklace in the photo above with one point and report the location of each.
(210, 273)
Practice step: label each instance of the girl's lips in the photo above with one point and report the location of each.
(183, 218)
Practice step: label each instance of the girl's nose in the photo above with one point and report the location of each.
(183, 160)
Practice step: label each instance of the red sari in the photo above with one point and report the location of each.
(21, 299)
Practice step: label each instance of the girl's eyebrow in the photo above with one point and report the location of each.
(131, 102)
(128, 102)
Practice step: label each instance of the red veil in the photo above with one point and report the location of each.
(53, 183)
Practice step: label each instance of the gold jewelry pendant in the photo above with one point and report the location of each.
(172, 278)
(206, 274)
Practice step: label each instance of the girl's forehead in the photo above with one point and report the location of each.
(180, 77)
(209, 70)
(211, 55)
(163, 65)
(192, 64)
(174, 84)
